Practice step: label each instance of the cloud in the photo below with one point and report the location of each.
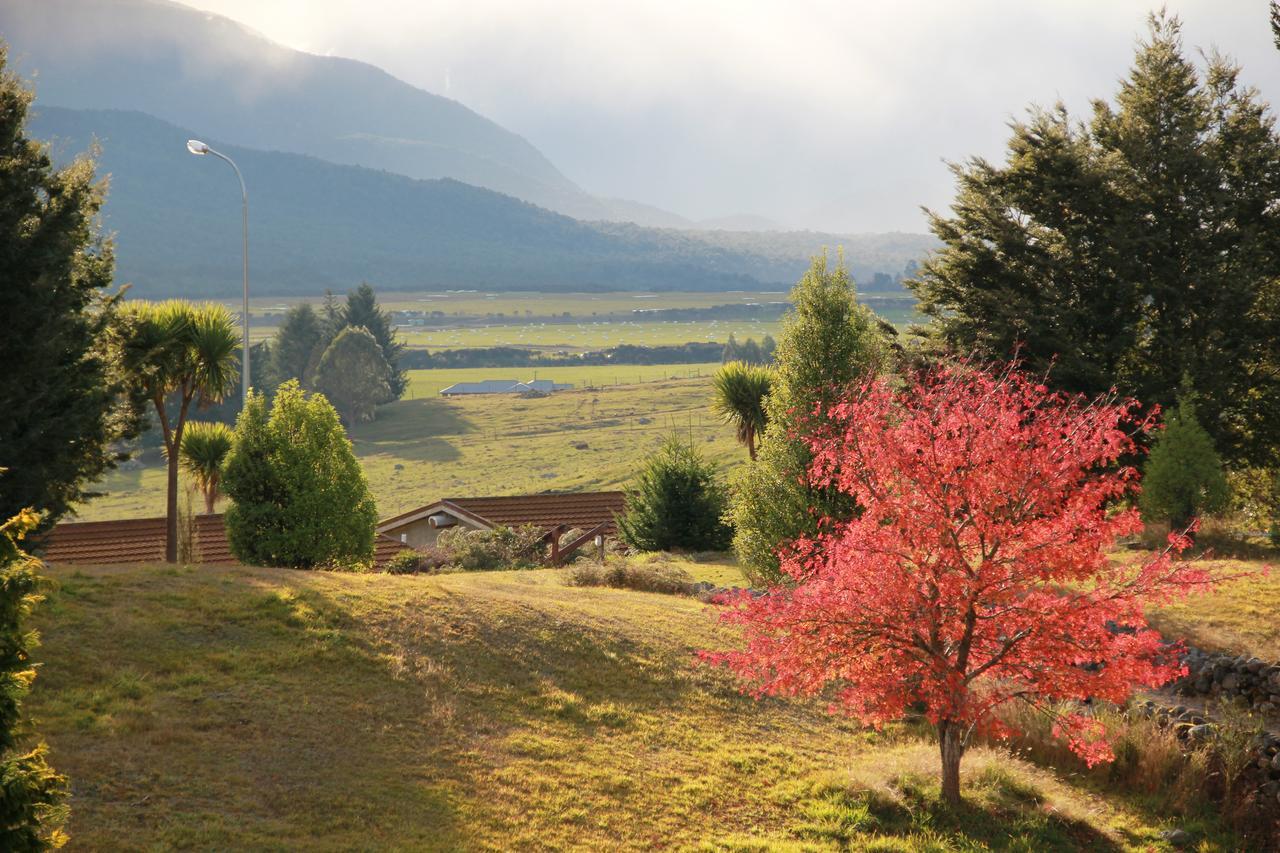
(819, 114)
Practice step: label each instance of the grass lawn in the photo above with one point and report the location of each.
(428, 447)
(273, 709)
(1242, 616)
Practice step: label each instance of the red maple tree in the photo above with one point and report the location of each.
(976, 571)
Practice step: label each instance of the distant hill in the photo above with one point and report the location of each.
(316, 225)
(225, 81)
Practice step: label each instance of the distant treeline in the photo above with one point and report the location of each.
(744, 311)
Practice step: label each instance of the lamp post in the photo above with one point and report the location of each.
(197, 147)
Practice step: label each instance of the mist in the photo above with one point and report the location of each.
(824, 115)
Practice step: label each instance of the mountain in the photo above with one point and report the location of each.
(225, 81)
(317, 225)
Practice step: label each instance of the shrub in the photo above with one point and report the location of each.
(32, 808)
(656, 576)
(675, 502)
(500, 548)
(407, 562)
(300, 499)
(1183, 477)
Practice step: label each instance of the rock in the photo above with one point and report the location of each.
(1230, 681)
(1203, 731)
(1176, 837)
(1275, 762)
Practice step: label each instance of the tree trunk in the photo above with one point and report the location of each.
(751, 444)
(210, 498)
(949, 742)
(171, 512)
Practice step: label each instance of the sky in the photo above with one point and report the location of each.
(837, 116)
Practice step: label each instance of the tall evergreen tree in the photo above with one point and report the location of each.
(1132, 250)
(1183, 477)
(58, 389)
(362, 310)
(828, 342)
(293, 354)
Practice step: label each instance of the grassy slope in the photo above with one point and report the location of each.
(498, 444)
(275, 710)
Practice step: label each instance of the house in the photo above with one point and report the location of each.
(504, 386)
(141, 540)
(593, 512)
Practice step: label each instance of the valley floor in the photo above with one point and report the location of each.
(274, 709)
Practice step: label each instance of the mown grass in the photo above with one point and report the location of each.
(271, 709)
(423, 449)
(1242, 616)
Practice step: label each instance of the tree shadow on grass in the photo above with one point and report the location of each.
(417, 430)
(1000, 812)
(196, 712)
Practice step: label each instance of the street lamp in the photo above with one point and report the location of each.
(197, 147)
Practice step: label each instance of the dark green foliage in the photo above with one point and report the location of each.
(1134, 250)
(354, 375)
(299, 496)
(58, 388)
(32, 794)
(828, 342)
(294, 351)
(675, 502)
(362, 311)
(1183, 477)
(407, 562)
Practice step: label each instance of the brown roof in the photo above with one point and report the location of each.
(584, 510)
(141, 540)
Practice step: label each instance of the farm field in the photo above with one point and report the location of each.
(585, 335)
(276, 709)
(477, 319)
(429, 447)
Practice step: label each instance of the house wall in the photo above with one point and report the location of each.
(419, 534)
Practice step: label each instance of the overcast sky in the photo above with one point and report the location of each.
(830, 115)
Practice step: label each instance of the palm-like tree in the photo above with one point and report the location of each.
(740, 390)
(178, 353)
(203, 451)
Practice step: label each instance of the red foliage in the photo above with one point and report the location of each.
(977, 571)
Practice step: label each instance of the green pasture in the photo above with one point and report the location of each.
(426, 446)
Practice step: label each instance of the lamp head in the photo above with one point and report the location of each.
(195, 146)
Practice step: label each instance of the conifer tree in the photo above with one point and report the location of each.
(58, 387)
(675, 502)
(1183, 477)
(362, 310)
(1131, 250)
(293, 355)
(828, 341)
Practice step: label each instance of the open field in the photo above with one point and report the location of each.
(476, 319)
(429, 447)
(1242, 616)
(585, 335)
(275, 709)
